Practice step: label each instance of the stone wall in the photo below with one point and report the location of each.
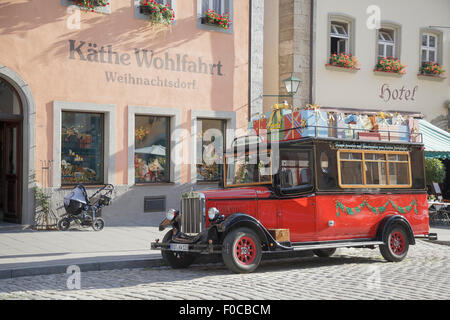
(294, 46)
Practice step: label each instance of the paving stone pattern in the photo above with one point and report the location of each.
(349, 274)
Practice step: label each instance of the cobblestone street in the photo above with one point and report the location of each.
(349, 274)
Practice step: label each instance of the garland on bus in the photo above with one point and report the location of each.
(340, 207)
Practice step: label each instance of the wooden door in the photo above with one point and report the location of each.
(10, 171)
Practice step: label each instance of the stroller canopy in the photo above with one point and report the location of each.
(78, 194)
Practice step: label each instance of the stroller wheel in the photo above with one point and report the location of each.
(98, 224)
(64, 224)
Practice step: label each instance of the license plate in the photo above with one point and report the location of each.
(179, 247)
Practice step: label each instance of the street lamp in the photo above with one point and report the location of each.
(292, 84)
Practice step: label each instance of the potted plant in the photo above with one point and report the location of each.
(390, 65)
(344, 60)
(91, 4)
(44, 218)
(215, 19)
(158, 13)
(432, 69)
(434, 170)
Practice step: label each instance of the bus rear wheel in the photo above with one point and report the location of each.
(242, 250)
(396, 245)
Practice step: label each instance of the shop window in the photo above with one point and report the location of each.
(152, 147)
(386, 43)
(210, 149)
(381, 169)
(82, 145)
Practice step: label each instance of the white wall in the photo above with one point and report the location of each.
(271, 42)
(362, 89)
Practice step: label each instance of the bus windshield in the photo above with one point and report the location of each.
(249, 168)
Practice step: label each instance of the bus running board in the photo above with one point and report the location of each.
(336, 245)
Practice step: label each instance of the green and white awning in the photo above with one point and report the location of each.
(436, 141)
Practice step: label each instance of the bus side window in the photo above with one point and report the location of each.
(295, 168)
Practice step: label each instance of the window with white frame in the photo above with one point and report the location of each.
(339, 37)
(219, 6)
(165, 2)
(429, 47)
(386, 43)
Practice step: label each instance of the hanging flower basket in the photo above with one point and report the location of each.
(91, 4)
(219, 20)
(432, 69)
(390, 65)
(158, 13)
(343, 60)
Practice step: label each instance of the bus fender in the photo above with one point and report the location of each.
(390, 221)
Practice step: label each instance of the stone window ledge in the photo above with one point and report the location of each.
(388, 74)
(430, 77)
(342, 69)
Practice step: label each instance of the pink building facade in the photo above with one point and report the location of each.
(105, 96)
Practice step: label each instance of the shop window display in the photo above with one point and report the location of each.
(151, 156)
(82, 148)
(210, 149)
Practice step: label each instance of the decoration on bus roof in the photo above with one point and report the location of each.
(276, 117)
(340, 207)
(287, 123)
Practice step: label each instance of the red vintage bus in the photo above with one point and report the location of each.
(313, 193)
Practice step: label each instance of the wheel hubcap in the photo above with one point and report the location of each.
(397, 243)
(245, 250)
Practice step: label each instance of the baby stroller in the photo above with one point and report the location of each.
(83, 210)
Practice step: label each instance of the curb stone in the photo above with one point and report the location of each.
(128, 264)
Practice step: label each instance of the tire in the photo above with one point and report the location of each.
(176, 259)
(396, 244)
(324, 253)
(64, 224)
(98, 224)
(241, 250)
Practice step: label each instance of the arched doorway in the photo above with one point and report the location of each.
(11, 132)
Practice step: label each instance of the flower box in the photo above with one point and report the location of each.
(390, 66)
(212, 18)
(92, 5)
(157, 13)
(343, 61)
(432, 69)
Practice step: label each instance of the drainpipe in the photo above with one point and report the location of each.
(311, 53)
(250, 60)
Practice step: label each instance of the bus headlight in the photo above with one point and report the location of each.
(171, 214)
(213, 213)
